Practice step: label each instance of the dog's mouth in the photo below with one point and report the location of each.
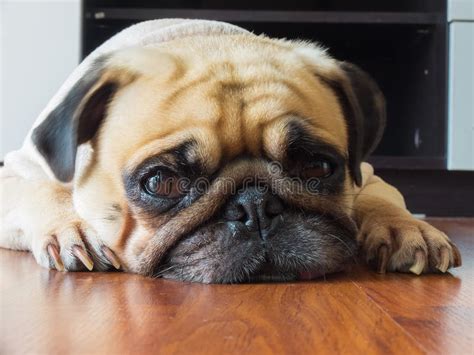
(306, 249)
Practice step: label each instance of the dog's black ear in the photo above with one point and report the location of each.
(75, 120)
(364, 109)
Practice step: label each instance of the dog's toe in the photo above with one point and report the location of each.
(75, 247)
(406, 244)
(74, 253)
(63, 250)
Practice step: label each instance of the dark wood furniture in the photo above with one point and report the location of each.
(358, 312)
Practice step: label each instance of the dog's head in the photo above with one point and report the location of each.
(219, 159)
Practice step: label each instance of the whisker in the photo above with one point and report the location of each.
(351, 253)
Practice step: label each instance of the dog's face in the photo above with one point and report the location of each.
(219, 159)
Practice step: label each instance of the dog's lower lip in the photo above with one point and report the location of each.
(271, 278)
(309, 275)
(268, 273)
(280, 277)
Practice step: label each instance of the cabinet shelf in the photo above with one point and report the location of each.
(340, 17)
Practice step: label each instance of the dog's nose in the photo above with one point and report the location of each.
(256, 207)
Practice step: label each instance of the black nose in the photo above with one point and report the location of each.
(256, 207)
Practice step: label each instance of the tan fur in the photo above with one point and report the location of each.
(231, 100)
(384, 221)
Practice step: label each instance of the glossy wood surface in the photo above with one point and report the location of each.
(357, 312)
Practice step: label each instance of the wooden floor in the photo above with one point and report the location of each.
(46, 312)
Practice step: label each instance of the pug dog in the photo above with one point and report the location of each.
(197, 151)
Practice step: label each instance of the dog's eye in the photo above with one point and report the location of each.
(318, 169)
(163, 183)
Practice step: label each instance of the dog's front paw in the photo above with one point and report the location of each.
(73, 246)
(403, 243)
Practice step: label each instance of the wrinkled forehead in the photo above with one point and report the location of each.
(240, 101)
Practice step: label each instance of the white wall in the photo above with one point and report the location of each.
(461, 96)
(461, 85)
(39, 47)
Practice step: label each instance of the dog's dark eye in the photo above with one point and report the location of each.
(163, 183)
(318, 169)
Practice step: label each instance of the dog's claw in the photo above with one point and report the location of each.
(419, 264)
(444, 260)
(456, 256)
(54, 254)
(382, 259)
(111, 257)
(81, 254)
